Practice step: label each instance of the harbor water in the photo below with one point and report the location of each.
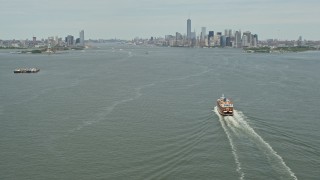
(129, 112)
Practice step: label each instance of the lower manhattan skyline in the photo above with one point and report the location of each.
(124, 19)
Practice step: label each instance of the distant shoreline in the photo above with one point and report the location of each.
(41, 50)
(280, 49)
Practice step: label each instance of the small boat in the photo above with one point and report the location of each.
(225, 106)
(26, 70)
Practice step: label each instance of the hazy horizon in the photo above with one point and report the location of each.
(124, 19)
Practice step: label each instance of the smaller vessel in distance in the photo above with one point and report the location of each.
(225, 106)
(26, 70)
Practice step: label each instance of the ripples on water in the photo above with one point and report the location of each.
(120, 113)
(241, 135)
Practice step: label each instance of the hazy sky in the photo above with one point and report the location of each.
(126, 19)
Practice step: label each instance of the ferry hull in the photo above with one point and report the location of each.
(228, 113)
(224, 111)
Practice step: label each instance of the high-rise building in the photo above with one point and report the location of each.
(228, 41)
(34, 41)
(248, 39)
(81, 38)
(230, 33)
(210, 38)
(189, 29)
(203, 33)
(237, 39)
(255, 40)
(245, 41)
(69, 40)
(300, 41)
(256, 36)
(179, 39)
(203, 40)
(193, 38)
(223, 41)
(211, 33)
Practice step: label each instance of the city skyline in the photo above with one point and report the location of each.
(123, 19)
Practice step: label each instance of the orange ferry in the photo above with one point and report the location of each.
(225, 106)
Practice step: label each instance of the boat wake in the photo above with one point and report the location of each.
(109, 109)
(250, 149)
(233, 147)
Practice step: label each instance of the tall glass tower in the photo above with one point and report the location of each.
(189, 29)
(203, 33)
(81, 38)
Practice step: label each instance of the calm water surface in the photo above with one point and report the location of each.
(127, 112)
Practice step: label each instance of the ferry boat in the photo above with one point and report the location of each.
(225, 106)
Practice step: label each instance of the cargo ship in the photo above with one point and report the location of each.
(225, 106)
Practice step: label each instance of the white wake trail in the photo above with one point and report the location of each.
(237, 126)
(234, 150)
(238, 116)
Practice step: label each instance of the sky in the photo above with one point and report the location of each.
(127, 19)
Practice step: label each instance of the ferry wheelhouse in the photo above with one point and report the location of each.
(225, 106)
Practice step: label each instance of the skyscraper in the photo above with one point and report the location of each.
(69, 40)
(189, 29)
(223, 41)
(230, 33)
(300, 41)
(210, 37)
(238, 41)
(203, 33)
(247, 39)
(34, 40)
(255, 40)
(81, 38)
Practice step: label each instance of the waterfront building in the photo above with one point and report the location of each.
(256, 36)
(51, 41)
(255, 40)
(245, 41)
(230, 33)
(203, 33)
(56, 39)
(300, 41)
(179, 39)
(211, 34)
(193, 38)
(237, 40)
(81, 38)
(228, 41)
(170, 40)
(69, 40)
(210, 38)
(248, 39)
(223, 41)
(189, 29)
(216, 39)
(203, 37)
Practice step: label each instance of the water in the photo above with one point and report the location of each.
(118, 112)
